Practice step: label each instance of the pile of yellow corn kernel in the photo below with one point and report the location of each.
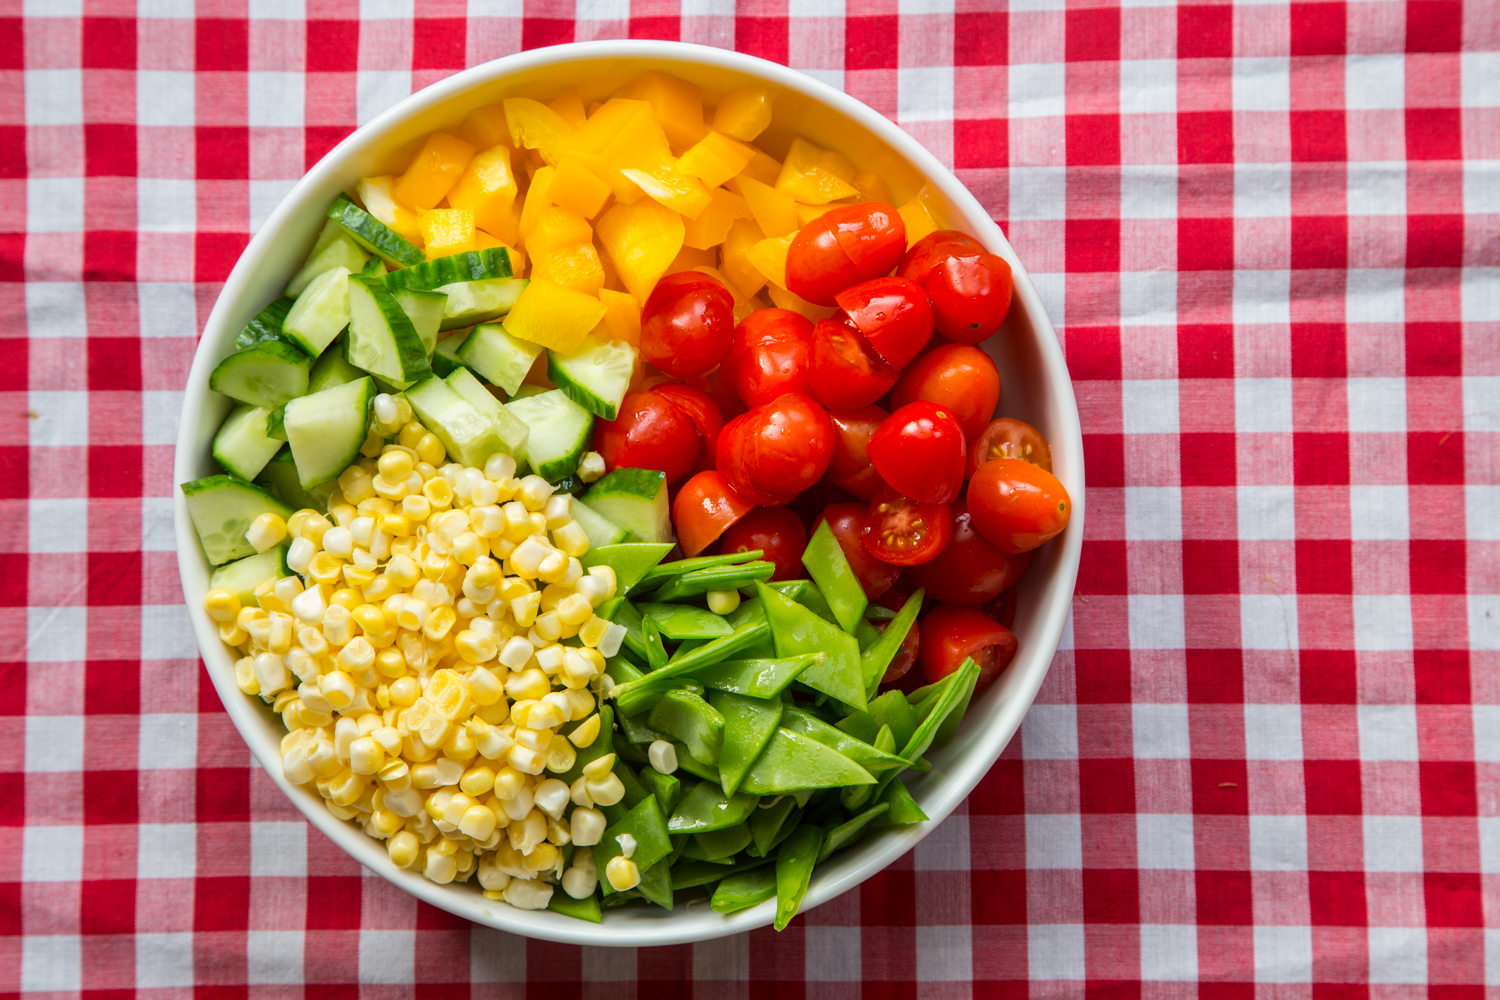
(415, 656)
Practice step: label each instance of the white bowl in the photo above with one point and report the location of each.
(1032, 370)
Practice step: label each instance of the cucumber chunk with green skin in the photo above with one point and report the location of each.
(596, 375)
(512, 431)
(526, 390)
(586, 908)
(242, 576)
(630, 561)
(795, 629)
(471, 302)
(425, 310)
(374, 235)
(636, 500)
(830, 570)
(382, 339)
(474, 265)
(561, 434)
(276, 423)
(265, 374)
(332, 369)
(602, 532)
(748, 725)
(222, 509)
(498, 357)
(792, 762)
(266, 325)
(242, 445)
(280, 477)
(334, 248)
(326, 430)
(320, 313)
(374, 268)
(468, 435)
(445, 357)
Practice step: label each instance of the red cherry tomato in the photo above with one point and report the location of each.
(970, 296)
(1003, 608)
(934, 248)
(1009, 438)
(716, 386)
(843, 247)
(906, 532)
(952, 634)
(686, 324)
(851, 469)
(847, 522)
(970, 570)
(700, 408)
(846, 371)
(893, 314)
(706, 506)
(919, 451)
(1017, 506)
(779, 535)
(651, 432)
(957, 376)
(777, 450)
(770, 356)
(906, 656)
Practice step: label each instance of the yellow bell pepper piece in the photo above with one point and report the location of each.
(711, 226)
(769, 257)
(553, 316)
(689, 259)
(622, 316)
(575, 267)
(556, 228)
(807, 213)
(538, 199)
(536, 126)
(919, 221)
(578, 188)
(621, 134)
(815, 176)
(479, 241)
(682, 194)
(641, 239)
(775, 211)
(791, 300)
(443, 228)
(380, 202)
(570, 106)
(744, 113)
(763, 167)
(716, 159)
(435, 170)
(485, 128)
(735, 261)
(487, 188)
(871, 187)
(677, 104)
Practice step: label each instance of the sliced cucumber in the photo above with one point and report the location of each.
(469, 436)
(242, 445)
(320, 312)
(280, 477)
(499, 357)
(600, 529)
(334, 248)
(242, 576)
(276, 423)
(382, 339)
(513, 433)
(266, 325)
(326, 429)
(528, 389)
(636, 500)
(222, 508)
(471, 302)
(374, 235)
(425, 310)
(266, 374)
(596, 375)
(476, 265)
(561, 432)
(332, 369)
(374, 268)
(445, 356)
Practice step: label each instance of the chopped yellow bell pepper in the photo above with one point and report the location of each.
(682, 194)
(919, 221)
(622, 316)
(570, 106)
(487, 188)
(641, 239)
(871, 187)
(553, 316)
(712, 224)
(376, 194)
(579, 189)
(538, 198)
(435, 170)
(557, 227)
(536, 126)
(622, 134)
(807, 213)
(677, 104)
(791, 300)
(763, 167)
(815, 176)
(479, 241)
(576, 267)
(775, 211)
(689, 259)
(444, 228)
(744, 113)
(769, 257)
(485, 128)
(716, 159)
(735, 261)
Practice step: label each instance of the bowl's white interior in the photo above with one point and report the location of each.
(1034, 376)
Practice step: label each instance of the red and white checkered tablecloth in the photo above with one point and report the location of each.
(1266, 763)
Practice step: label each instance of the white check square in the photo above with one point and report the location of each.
(1377, 405)
(1375, 81)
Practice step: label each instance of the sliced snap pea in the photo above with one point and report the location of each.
(860, 725)
(632, 753)
(879, 613)
(626, 616)
(793, 762)
(692, 765)
(649, 828)
(686, 717)
(794, 866)
(717, 578)
(694, 851)
(892, 709)
(756, 678)
(904, 808)
(666, 787)
(707, 808)
(726, 843)
(586, 908)
(742, 890)
(855, 798)
(656, 884)
(953, 689)
(656, 652)
(766, 823)
(883, 650)
(796, 630)
(630, 561)
(677, 567)
(851, 830)
(956, 715)
(799, 720)
(636, 730)
(690, 873)
(792, 590)
(865, 634)
(685, 621)
(633, 696)
(748, 725)
(634, 792)
(813, 600)
(830, 570)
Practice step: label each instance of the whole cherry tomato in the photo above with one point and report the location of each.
(893, 314)
(777, 450)
(770, 355)
(934, 248)
(919, 451)
(779, 535)
(706, 506)
(851, 468)
(970, 287)
(952, 634)
(1010, 438)
(700, 408)
(956, 376)
(651, 432)
(847, 522)
(1017, 506)
(906, 532)
(906, 656)
(686, 324)
(843, 247)
(846, 371)
(1003, 608)
(716, 385)
(970, 570)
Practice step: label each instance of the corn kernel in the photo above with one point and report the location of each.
(266, 531)
(402, 849)
(622, 873)
(222, 605)
(586, 733)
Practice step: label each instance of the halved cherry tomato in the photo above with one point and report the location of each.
(970, 570)
(906, 656)
(779, 535)
(686, 324)
(893, 314)
(906, 532)
(846, 371)
(777, 450)
(952, 634)
(934, 248)
(1010, 438)
(851, 468)
(919, 451)
(843, 247)
(651, 432)
(957, 376)
(1017, 506)
(706, 506)
(847, 522)
(770, 356)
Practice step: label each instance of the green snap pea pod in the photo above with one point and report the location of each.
(904, 808)
(793, 762)
(689, 874)
(860, 725)
(656, 884)
(692, 765)
(851, 830)
(794, 866)
(718, 578)
(882, 651)
(756, 678)
(813, 600)
(748, 725)
(649, 828)
(707, 808)
(865, 634)
(742, 890)
(725, 843)
(855, 798)
(749, 612)
(956, 715)
(656, 653)
(679, 841)
(685, 621)
(695, 851)
(630, 561)
(626, 616)
(830, 570)
(954, 688)
(666, 787)
(686, 646)
(586, 908)
(686, 717)
(792, 590)
(799, 720)
(677, 567)
(636, 730)
(632, 753)
(786, 830)
(892, 709)
(633, 696)
(634, 793)
(796, 630)
(603, 744)
(879, 613)
(766, 823)
(622, 670)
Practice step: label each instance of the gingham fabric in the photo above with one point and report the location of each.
(1266, 763)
